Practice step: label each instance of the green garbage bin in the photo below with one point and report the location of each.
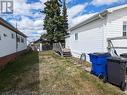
(116, 71)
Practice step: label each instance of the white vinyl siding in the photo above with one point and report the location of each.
(89, 37)
(8, 44)
(114, 28)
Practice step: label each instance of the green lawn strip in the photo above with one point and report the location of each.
(12, 74)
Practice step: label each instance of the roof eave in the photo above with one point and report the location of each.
(95, 17)
(6, 24)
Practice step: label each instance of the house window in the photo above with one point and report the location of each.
(22, 40)
(18, 39)
(4, 35)
(125, 28)
(12, 36)
(76, 36)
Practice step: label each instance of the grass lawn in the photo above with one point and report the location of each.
(46, 73)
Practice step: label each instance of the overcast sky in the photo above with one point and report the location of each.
(30, 20)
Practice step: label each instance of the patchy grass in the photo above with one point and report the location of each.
(49, 74)
(14, 72)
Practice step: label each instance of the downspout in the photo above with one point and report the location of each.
(103, 30)
(16, 43)
(103, 14)
(101, 17)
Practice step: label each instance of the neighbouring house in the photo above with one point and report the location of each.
(91, 35)
(41, 45)
(12, 42)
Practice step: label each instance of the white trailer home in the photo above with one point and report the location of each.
(91, 35)
(12, 41)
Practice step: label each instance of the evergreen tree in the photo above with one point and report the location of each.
(65, 18)
(48, 21)
(53, 21)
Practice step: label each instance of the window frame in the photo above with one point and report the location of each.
(0, 37)
(124, 28)
(5, 35)
(22, 39)
(76, 36)
(12, 36)
(18, 39)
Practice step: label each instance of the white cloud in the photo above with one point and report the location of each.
(79, 19)
(23, 8)
(20, 7)
(31, 27)
(75, 15)
(75, 10)
(43, 1)
(72, 1)
(105, 2)
(38, 23)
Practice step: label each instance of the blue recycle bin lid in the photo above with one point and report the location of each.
(100, 54)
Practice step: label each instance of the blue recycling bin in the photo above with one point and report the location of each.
(99, 63)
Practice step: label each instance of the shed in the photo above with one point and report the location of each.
(41, 44)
